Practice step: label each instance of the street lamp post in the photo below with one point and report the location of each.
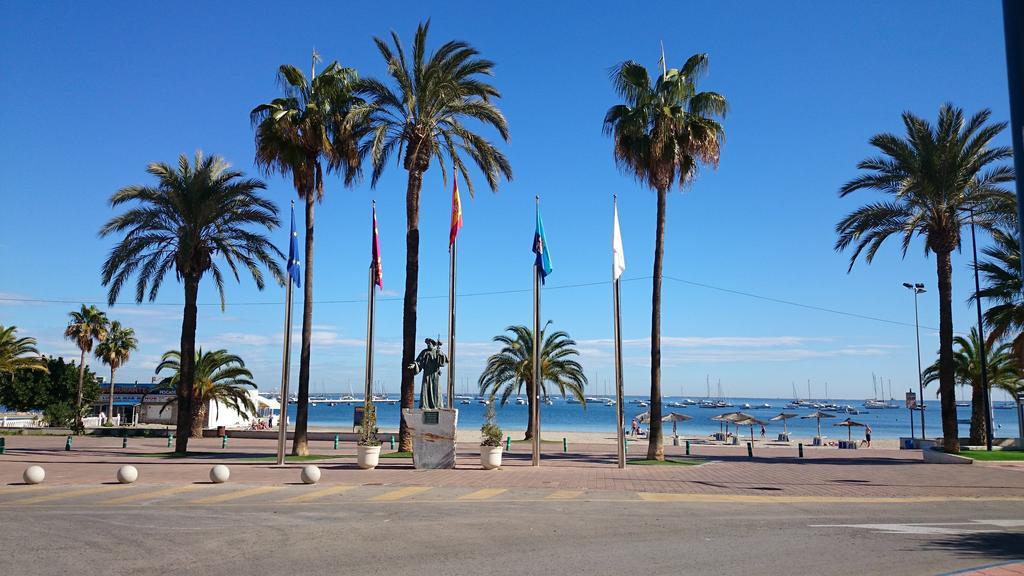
(918, 288)
(981, 343)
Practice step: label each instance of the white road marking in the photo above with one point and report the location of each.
(945, 528)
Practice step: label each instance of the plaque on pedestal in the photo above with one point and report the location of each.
(433, 436)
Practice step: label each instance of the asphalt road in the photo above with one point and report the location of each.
(516, 532)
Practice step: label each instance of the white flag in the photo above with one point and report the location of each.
(618, 255)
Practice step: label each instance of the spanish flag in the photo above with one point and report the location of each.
(456, 211)
(378, 270)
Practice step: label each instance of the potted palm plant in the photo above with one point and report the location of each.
(368, 447)
(490, 441)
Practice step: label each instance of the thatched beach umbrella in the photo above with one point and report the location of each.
(819, 415)
(727, 418)
(783, 416)
(849, 427)
(674, 417)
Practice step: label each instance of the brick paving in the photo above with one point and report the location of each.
(1013, 569)
(827, 473)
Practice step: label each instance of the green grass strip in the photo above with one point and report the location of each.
(995, 455)
(666, 462)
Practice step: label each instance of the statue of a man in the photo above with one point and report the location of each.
(430, 360)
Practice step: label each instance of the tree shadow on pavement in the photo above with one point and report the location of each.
(1001, 545)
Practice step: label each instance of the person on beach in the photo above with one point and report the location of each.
(867, 436)
(763, 431)
(634, 428)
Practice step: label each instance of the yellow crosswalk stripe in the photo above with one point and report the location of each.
(65, 495)
(563, 495)
(483, 494)
(150, 495)
(236, 495)
(399, 494)
(317, 494)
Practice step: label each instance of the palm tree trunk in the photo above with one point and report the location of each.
(977, 414)
(198, 417)
(79, 425)
(412, 271)
(300, 443)
(110, 405)
(183, 428)
(655, 445)
(947, 383)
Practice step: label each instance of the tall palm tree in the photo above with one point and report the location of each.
(512, 368)
(422, 120)
(18, 354)
(662, 133)
(219, 376)
(934, 175)
(196, 218)
(299, 134)
(87, 325)
(1002, 371)
(114, 352)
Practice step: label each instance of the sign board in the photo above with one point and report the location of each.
(911, 400)
(430, 417)
(357, 416)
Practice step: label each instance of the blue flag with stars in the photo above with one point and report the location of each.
(293, 253)
(540, 248)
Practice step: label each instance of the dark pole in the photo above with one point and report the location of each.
(1013, 30)
(911, 410)
(617, 318)
(537, 374)
(981, 341)
(453, 261)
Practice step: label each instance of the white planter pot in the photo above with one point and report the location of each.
(490, 457)
(367, 456)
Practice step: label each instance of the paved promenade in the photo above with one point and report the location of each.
(773, 474)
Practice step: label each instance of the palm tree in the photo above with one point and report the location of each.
(87, 325)
(662, 133)
(198, 214)
(421, 120)
(299, 134)
(934, 175)
(219, 376)
(18, 353)
(512, 368)
(1002, 371)
(114, 352)
(1004, 287)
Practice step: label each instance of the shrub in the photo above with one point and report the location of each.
(368, 433)
(490, 432)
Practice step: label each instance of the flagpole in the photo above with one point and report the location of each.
(619, 394)
(536, 361)
(371, 305)
(452, 266)
(282, 420)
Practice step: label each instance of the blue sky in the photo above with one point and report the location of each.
(91, 93)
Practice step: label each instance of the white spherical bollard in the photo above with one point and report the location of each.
(310, 474)
(34, 475)
(127, 474)
(219, 474)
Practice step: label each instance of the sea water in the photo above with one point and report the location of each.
(597, 417)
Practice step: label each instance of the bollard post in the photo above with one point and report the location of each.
(508, 443)
(625, 445)
(750, 450)
(170, 438)
(224, 441)
(124, 441)
(3, 444)
(565, 444)
(392, 442)
(335, 441)
(800, 449)
(687, 447)
(67, 444)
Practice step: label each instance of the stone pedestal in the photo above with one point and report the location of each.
(433, 436)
